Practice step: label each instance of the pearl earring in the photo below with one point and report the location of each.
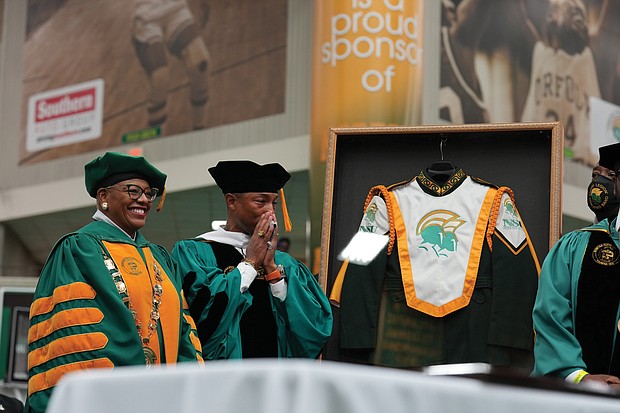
(104, 206)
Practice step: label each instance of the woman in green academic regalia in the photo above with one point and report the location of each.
(107, 297)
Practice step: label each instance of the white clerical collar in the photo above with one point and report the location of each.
(235, 239)
(100, 216)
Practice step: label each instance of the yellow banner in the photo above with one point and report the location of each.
(367, 70)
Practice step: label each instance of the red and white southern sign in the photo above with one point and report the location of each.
(67, 115)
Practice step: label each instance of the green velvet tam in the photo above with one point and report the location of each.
(114, 167)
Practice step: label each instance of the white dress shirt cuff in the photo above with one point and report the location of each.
(248, 273)
(279, 289)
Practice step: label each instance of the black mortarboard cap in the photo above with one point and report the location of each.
(609, 156)
(114, 167)
(248, 176)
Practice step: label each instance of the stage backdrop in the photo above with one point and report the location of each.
(367, 70)
(103, 73)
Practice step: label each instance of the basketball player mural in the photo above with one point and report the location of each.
(564, 77)
(169, 24)
(528, 60)
(460, 95)
(484, 60)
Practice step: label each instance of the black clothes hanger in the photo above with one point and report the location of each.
(441, 171)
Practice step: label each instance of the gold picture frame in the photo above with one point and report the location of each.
(526, 157)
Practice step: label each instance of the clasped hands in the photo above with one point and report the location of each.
(261, 248)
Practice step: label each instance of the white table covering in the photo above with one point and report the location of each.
(302, 386)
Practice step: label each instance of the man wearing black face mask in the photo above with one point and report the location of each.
(576, 314)
(601, 197)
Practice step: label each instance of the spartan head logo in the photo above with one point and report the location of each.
(371, 212)
(368, 222)
(598, 196)
(510, 218)
(438, 231)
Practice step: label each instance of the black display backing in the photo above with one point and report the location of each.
(527, 157)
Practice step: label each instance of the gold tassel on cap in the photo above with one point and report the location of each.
(288, 225)
(161, 200)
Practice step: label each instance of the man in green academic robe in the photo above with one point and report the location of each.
(249, 300)
(577, 310)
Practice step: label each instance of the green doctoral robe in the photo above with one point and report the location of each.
(78, 319)
(303, 320)
(557, 350)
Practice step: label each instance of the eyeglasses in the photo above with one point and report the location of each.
(135, 192)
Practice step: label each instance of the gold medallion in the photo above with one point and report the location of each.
(149, 356)
(606, 254)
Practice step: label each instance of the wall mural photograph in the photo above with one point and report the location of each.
(533, 60)
(142, 69)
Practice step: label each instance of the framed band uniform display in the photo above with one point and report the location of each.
(470, 211)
